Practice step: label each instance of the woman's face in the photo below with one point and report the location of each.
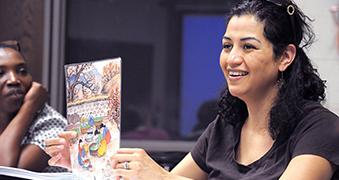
(247, 59)
(15, 80)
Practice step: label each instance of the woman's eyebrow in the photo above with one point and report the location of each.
(242, 39)
(249, 38)
(227, 38)
(21, 65)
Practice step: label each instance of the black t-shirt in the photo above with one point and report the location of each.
(316, 134)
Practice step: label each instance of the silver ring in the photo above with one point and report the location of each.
(126, 165)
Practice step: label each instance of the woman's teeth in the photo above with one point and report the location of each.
(232, 73)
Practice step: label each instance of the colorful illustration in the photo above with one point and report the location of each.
(93, 111)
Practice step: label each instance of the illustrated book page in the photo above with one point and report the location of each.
(93, 111)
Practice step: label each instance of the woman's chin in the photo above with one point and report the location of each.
(235, 92)
(13, 107)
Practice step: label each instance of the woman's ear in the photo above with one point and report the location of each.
(287, 57)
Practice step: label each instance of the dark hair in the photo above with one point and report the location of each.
(302, 81)
(12, 44)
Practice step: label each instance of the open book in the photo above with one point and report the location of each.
(93, 111)
(7, 173)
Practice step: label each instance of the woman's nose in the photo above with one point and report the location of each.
(235, 58)
(13, 78)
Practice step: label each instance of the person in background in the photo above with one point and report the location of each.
(272, 124)
(137, 128)
(206, 113)
(26, 121)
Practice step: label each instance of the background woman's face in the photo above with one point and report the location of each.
(247, 59)
(15, 80)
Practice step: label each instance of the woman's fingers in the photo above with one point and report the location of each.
(53, 161)
(58, 144)
(58, 149)
(60, 160)
(118, 160)
(68, 135)
(118, 173)
(54, 146)
(135, 164)
(121, 165)
(54, 141)
(126, 155)
(63, 136)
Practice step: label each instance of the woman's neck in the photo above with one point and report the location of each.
(259, 113)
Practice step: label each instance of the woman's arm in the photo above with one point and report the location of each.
(33, 158)
(188, 168)
(12, 136)
(143, 167)
(309, 167)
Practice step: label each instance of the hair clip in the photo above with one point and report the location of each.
(290, 9)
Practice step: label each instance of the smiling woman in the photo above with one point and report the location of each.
(272, 90)
(26, 120)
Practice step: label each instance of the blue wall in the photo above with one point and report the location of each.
(202, 77)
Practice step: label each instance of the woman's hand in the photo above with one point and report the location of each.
(36, 96)
(58, 149)
(140, 165)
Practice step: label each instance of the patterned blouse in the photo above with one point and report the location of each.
(48, 123)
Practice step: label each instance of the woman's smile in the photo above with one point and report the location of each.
(235, 75)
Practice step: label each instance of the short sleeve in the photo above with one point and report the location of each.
(318, 134)
(48, 123)
(199, 151)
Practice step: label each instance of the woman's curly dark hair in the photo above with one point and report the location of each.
(302, 81)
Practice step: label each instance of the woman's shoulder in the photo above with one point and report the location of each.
(221, 123)
(222, 129)
(48, 113)
(318, 120)
(316, 111)
(317, 133)
(48, 116)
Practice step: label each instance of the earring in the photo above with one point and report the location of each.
(281, 80)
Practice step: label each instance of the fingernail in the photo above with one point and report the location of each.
(73, 134)
(60, 147)
(62, 141)
(58, 156)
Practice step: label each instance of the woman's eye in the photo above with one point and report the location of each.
(226, 46)
(23, 71)
(248, 46)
